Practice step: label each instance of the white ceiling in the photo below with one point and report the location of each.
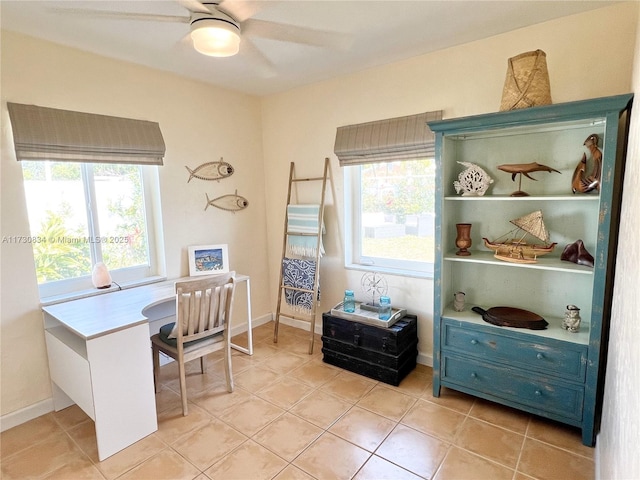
(375, 33)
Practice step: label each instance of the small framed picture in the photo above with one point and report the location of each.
(208, 259)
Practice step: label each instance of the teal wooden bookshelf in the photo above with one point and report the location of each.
(552, 373)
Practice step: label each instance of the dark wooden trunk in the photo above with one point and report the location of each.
(384, 354)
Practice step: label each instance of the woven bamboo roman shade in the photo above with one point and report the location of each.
(42, 133)
(401, 138)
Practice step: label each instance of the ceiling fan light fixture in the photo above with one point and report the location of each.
(215, 36)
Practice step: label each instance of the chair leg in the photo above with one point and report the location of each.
(183, 386)
(156, 368)
(203, 364)
(227, 367)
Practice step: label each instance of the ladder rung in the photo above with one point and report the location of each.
(306, 179)
(300, 234)
(297, 289)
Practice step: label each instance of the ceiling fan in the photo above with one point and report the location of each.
(222, 28)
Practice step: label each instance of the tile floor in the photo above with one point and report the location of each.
(293, 417)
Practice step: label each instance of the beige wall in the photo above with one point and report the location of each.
(300, 125)
(199, 124)
(620, 435)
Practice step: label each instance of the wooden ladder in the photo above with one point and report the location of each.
(311, 317)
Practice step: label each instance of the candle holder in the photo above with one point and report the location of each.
(463, 239)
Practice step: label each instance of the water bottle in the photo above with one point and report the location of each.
(349, 305)
(384, 311)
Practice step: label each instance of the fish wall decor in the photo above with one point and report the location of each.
(211, 171)
(230, 202)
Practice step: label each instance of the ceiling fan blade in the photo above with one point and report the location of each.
(265, 67)
(294, 34)
(194, 6)
(241, 11)
(88, 12)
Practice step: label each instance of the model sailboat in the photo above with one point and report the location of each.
(516, 249)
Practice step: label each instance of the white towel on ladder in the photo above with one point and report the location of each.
(303, 218)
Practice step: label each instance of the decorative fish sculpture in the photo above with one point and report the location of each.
(580, 182)
(525, 169)
(231, 203)
(211, 171)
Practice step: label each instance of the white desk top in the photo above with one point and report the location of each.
(99, 315)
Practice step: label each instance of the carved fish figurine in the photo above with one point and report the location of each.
(580, 182)
(231, 203)
(211, 171)
(525, 169)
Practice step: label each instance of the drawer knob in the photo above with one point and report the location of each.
(538, 393)
(474, 342)
(539, 356)
(474, 375)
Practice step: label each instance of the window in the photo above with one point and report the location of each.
(84, 213)
(390, 216)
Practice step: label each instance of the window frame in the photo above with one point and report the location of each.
(354, 260)
(140, 274)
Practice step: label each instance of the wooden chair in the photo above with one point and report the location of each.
(203, 309)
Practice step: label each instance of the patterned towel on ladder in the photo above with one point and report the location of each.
(300, 274)
(303, 219)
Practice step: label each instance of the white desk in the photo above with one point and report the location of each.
(100, 358)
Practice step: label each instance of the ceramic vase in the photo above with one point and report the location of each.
(463, 238)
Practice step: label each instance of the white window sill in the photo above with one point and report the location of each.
(67, 297)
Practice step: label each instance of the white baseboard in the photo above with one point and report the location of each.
(23, 415)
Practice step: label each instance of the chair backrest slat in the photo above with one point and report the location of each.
(203, 306)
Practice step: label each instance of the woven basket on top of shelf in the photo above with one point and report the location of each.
(527, 82)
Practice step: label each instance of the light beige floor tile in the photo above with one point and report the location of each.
(167, 399)
(321, 409)
(25, 435)
(42, 458)
(251, 416)
(499, 415)
(387, 402)
(256, 378)
(363, 428)
(208, 444)
(286, 392)
(546, 462)
(378, 468)
(172, 425)
(315, 373)
(196, 383)
(492, 442)
(261, 351)
(119, 463)
(331, 457)
(166, 465)
(414, 451)
(434, 420)
(249, 461)
(348, 386)
(460, 464)
(293, 473)
(284, 361)
(288, 436)
(559, 435)
(452, 399)
(416, 383)
(76, 469)
(70, 417)
(217, 400)
(84, 435)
